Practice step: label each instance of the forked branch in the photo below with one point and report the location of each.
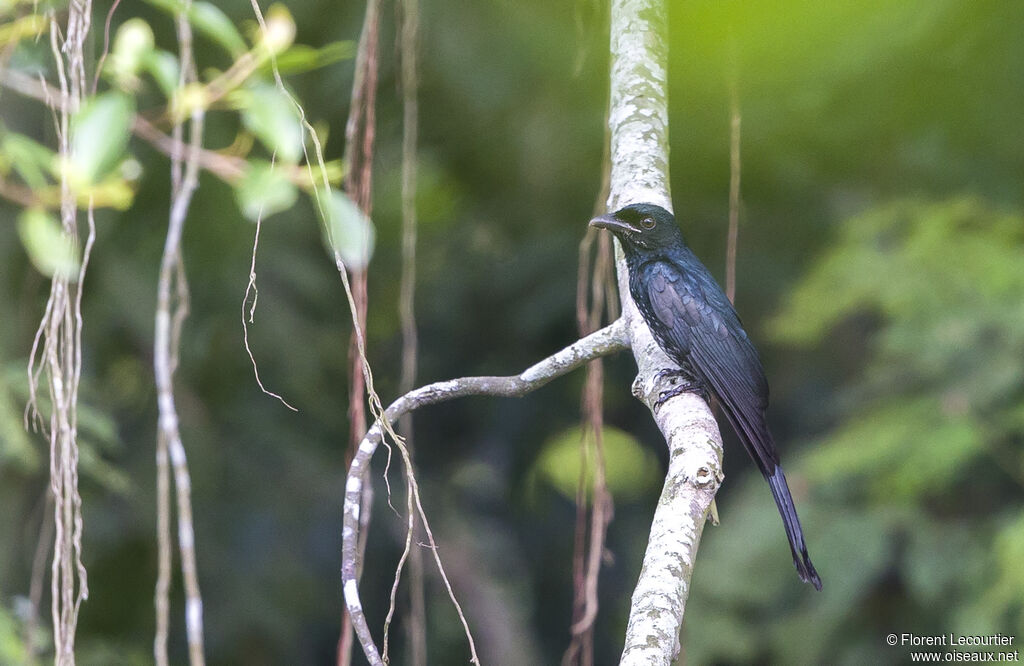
(608, 340)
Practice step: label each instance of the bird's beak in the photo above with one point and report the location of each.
(612, 224)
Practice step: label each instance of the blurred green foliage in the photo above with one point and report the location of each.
(348, 231)
(630, 470)
(30, 159)
(12, 647)
(942, 385)
(880, 273)
(52, 252)
(914, 478)
(99, 134)
(264, 190)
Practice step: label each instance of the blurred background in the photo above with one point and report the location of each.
(880, 273)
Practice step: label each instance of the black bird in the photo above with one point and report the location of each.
(698, 328)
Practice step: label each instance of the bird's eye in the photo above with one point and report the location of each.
(647, 223)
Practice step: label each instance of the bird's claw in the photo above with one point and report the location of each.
(686, 387)
(673, 373)
(687, 384)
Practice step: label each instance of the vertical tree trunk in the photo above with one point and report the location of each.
(638, 121)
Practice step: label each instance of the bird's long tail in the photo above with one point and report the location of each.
(784, 500)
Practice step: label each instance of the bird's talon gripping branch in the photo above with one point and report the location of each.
(672, 374)
(682, 381)
(687, 387)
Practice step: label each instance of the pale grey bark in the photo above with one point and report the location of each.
(638, 120)
(608, 340)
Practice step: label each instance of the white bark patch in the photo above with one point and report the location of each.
(194, 613)
(185, 537)
(368, 445)
(352, 594)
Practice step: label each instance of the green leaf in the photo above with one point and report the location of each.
(280, 30)
(12, 646)
(48, 247)
(29, 158)
(272, 118)
(25, 27)
(132, 45)
(209, 20)
(349, 231)
(212, 22)
(99, 135)
(263, 191)
(301, 58)
(163, 67)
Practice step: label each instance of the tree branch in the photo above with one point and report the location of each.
(638, 120)
(608, 340)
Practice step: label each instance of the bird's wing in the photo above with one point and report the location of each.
(698, 319)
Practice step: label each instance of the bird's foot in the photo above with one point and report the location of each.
(689, 387)
(687, 384)
(674, 374)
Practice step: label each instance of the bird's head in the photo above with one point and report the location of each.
(642, 227)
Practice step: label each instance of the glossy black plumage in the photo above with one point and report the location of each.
(696, 325)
